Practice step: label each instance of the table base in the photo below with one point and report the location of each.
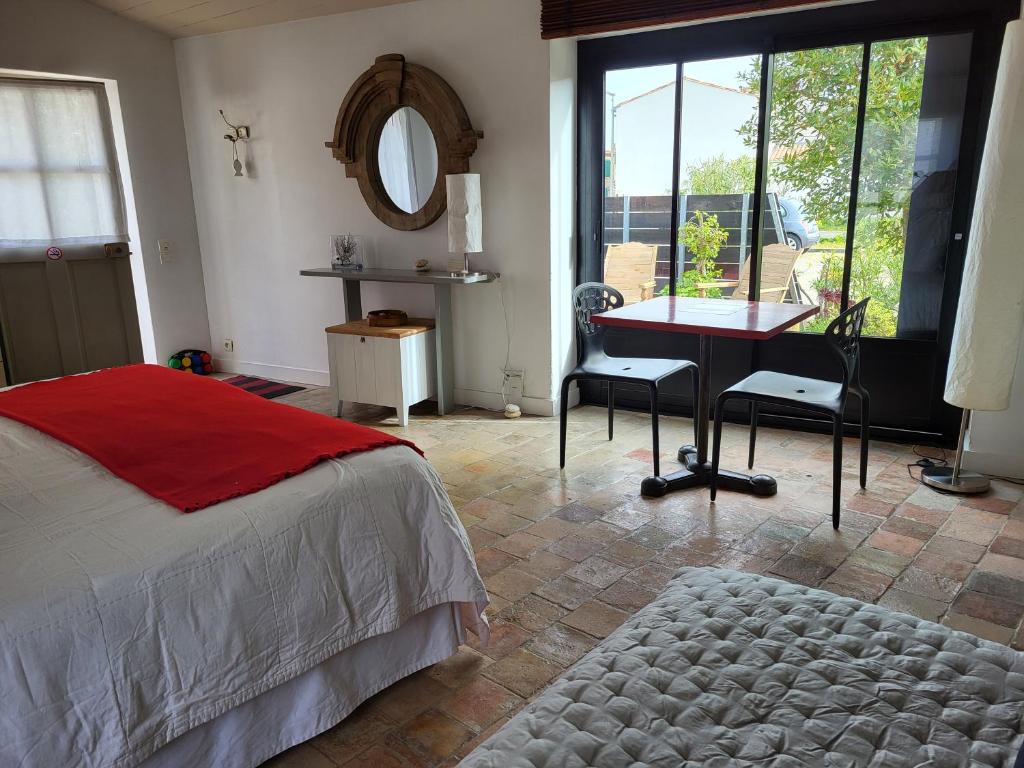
(698, 473)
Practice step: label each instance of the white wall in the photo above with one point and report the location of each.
(287, 81)
(72, 37)
(562, 93)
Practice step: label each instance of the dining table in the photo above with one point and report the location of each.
(707, 318)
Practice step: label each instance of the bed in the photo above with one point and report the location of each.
(132, 634)
(732, 669)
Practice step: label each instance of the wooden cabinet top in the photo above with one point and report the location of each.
(412, 326)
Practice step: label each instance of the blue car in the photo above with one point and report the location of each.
(801, 230)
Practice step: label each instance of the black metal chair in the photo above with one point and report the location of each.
(815, 395)
(593, 364)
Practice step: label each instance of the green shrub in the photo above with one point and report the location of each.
(703, 238)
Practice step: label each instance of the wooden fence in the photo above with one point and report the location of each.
(648, 220)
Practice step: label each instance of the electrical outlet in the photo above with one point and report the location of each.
(166, 248)
(229, 345)
(512, 385)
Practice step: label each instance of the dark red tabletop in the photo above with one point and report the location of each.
(713, 317)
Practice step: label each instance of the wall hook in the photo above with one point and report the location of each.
(237, 133)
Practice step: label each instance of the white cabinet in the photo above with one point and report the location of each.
(382, 366)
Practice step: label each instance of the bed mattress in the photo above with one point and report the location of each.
(733, 669)
(125, 623)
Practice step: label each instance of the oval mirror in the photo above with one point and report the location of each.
(407, 159)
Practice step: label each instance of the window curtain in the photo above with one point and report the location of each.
(59, 182)
(566, 18)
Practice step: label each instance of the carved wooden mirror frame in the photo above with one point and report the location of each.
(392, 83)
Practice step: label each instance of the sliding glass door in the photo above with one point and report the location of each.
(849, 155)
(914, 113)
(812, 142)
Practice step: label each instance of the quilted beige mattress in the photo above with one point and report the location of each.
(732, 669)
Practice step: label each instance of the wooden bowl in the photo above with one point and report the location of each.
(386, 318)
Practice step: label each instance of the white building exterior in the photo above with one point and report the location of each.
(641, 133)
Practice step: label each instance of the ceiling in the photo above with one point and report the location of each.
(184, 18)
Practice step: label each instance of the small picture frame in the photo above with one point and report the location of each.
(347, 252)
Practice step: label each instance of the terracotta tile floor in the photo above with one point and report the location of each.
(568, 556)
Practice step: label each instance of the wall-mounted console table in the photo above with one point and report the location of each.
(442, 282)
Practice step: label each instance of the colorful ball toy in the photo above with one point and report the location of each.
(192, 361)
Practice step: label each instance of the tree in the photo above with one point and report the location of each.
(814, 117)
(703, 237)
(719, 175)
(813, 120)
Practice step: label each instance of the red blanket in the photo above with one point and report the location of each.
(187, 440)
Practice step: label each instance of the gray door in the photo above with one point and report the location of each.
(67, 312)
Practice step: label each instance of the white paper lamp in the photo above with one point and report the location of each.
(990, 316)
(465, 216)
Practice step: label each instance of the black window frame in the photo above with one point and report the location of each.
(766, 35)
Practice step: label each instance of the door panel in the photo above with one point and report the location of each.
(365, 370)
(717, 156)
(639, 137)
(387, 356)
(914, 114)
(31, 338)
(812, 127)
(345, 366)
(67, 315)
(97, 300)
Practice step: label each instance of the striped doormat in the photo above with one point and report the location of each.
(263, 387)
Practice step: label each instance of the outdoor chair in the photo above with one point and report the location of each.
(629, 268)
(814, 395)
(593, 364)
(778, 262)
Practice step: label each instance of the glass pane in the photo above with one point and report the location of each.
(70, 130)
(17, 146)
(717, 156)
(639, 115)
(80, 205)
(916, 91)
(23, 211)
(57, 169)
(812, 129)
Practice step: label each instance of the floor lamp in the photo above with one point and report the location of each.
(990, 316)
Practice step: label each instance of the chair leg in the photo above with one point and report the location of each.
(837, 467)
(753, 433)
(716, 448)
(695, 380)
(611, 408)
(865, 429)
(654, 430)
(563, 417)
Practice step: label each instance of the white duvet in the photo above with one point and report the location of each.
(124, 623)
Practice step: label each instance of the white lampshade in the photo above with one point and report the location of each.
(990, 317)
(465, 216)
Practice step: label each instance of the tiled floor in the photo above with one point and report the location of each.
(567, 556)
